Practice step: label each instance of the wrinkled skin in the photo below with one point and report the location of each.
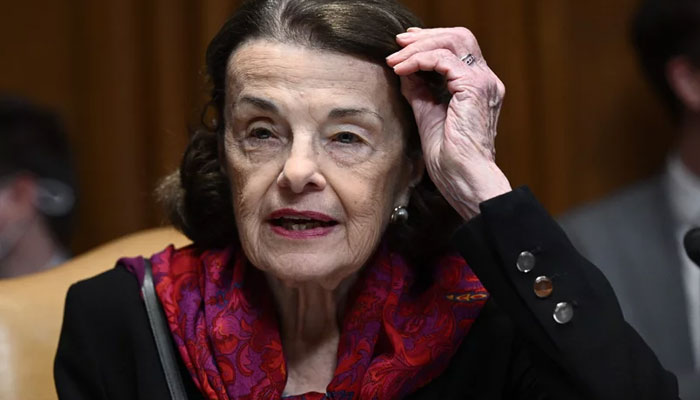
(304, 150)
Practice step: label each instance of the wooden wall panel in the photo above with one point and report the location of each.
(112, 119)
(620, 131)
(578, 120)
(601, 116)
(37, 53)
(516, 142)
(550, 95)
(169, 73)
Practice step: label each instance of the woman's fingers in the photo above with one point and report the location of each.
(442, 61)
(459, 76)
(458, 40)
(476, 79)
(458, 33)
(443, 50)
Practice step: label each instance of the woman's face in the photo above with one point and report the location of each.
(314, 151)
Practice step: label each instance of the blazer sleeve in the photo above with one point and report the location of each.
(76, 368)
(596, 351)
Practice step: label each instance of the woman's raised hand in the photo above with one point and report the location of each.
(458, 138)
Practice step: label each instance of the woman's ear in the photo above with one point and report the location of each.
(684, 79)
(416, 169)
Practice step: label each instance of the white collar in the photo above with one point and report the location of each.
(684, 191)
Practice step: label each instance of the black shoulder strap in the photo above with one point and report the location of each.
(159, 326)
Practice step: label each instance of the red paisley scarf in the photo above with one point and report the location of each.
(393, 341)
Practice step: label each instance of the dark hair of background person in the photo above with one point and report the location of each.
(662, 30)
(198, 199)
(33, 141)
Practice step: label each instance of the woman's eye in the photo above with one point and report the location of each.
(261, 133)
(346, 138)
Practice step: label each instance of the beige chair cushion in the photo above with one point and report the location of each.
(31, 311)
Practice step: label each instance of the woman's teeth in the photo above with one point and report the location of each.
(294, 224)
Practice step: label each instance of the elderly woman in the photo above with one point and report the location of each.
(325, 261)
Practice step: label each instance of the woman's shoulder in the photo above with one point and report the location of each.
(112, 280)
(107, 295)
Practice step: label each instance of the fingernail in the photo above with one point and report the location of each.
(413, 29)
(403, 35)
(390, 56)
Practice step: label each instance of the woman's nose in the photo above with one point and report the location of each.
(301, 173)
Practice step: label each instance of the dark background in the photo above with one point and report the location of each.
(578, 122)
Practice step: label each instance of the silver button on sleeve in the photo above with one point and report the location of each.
(563, 313)
(525, 262)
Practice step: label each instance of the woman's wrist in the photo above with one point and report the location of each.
(479, 183)
(492, 184)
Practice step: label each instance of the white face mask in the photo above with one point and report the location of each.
(54, 198)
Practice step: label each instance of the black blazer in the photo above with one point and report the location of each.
(515, 349)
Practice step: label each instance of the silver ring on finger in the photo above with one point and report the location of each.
(468, 59)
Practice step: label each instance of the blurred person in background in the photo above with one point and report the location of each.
(37, 189)
(636, 236)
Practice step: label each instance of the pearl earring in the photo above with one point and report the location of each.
(400, 214)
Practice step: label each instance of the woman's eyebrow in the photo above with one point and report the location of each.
(348, 112)
(262, 104)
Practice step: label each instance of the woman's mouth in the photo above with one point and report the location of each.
(301, 224)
